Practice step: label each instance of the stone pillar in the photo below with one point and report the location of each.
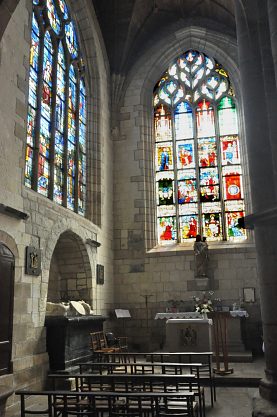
(259, 103)
(272, 15)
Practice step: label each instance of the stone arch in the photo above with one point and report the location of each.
(138, 92)
(70, 274)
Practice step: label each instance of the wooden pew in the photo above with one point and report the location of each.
(94, 404)
(206, 374)
(136, 382)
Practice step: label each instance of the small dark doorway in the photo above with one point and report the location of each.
(6, 308)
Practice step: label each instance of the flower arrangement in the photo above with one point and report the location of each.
(204, 304)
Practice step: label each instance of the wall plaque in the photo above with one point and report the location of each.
(99, 274)
(33, 261)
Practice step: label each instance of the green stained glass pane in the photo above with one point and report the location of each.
(228, 122)
(234, 231)
(165, 191)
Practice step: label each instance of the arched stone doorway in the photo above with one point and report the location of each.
(6, 308)
(70, 276)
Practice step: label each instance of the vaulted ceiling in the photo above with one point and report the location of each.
(129, 25)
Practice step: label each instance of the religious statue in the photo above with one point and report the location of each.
(201, 257)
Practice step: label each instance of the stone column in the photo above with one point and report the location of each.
(272, 15)
(259, 101)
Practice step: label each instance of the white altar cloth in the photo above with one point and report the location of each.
(179, 315)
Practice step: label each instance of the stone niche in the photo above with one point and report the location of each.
(69, 315)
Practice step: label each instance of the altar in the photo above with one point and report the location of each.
(188, 335)
(177, 338)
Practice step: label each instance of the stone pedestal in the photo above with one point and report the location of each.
(68, 339)
(188, 335)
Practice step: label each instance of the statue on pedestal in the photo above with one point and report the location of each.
(201, 257)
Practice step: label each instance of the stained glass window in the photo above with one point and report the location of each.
(56, 122)
(197, 152)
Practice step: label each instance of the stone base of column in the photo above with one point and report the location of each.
(263, 408)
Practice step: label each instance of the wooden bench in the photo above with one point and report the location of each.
(205, 372)
(94, 404)
(154, 382)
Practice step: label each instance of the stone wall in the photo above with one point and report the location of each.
(146, 276)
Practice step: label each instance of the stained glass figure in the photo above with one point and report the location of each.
(185, 155)
(167, 229)
(207, 152)
(197, 156)
(165, 191)
(189, 227)
(212, 225)
(234, 230)
(164, 160)
(71, 39)
(56, 74)
(230, 150)
(53, 16)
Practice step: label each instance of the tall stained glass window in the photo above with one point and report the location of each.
(197, 152)
(56, 124)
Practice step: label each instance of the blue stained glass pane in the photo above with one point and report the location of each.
(35, 2)
(33, 88)
(35, 26)
(82, 109)
(230, 150)
(187, 191)
(34, 51)
(71, 159)
(59, 150)
(209, 176)
(53, 16)
(58, 185)
(43, 175)
(48, 43)
(60, 107)
(28, 166)
(82, 136)
(45, 129)
(188, 226)
(71, 39)
(82, 87)
(31, 126)
(185, 154)
(63, 9)
(61, 57)
(70, 192)
(72, 75)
